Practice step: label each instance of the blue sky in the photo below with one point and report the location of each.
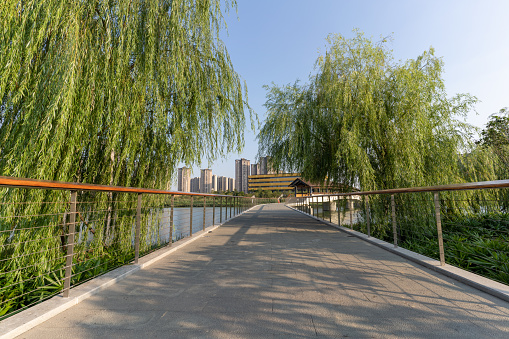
(278, 41)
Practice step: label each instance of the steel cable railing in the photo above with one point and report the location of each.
(465, 225)
(57, 235)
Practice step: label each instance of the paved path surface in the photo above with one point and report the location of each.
(275, 273)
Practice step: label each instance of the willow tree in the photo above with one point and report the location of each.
(366, 120)
(115, 92)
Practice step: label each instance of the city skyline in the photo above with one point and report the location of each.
(209, 182)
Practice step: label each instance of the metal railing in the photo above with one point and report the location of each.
(56, 235)
(465, 225)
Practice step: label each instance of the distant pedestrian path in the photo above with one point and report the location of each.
(273, 272)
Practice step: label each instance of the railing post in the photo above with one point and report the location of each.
(204, 210)
(171, 218)
(394, 229)
(213, 211)
(191, 217)
(339, 213)
(138, 228)
(368, 221)
(71, 229)
(330, 209)
(323, 209)
(439, 229)
(220, 210)
(230, 207)
(350, 208)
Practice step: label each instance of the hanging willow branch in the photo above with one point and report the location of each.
(115, 92)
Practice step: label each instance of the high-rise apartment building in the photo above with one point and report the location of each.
(206, 181)
(195, 185)
(214, 183)
(231, 184)
(255, 169)
(184, 179)
(265, 166)
(241, 174)
(222, 184)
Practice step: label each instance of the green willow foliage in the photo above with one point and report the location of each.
(115, 92)
(495, 138)
(367, 121)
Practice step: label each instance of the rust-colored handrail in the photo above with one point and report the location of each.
(56, 185)
(455, 187)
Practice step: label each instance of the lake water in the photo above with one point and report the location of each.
(182, 218)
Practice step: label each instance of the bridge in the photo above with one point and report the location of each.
(274, 272)
(326, 201)
(234, 267)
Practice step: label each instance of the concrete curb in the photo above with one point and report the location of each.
(33, 316)
(486, 285)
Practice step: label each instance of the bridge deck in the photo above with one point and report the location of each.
(273, 272)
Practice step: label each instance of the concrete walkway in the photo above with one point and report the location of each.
(274, 272)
